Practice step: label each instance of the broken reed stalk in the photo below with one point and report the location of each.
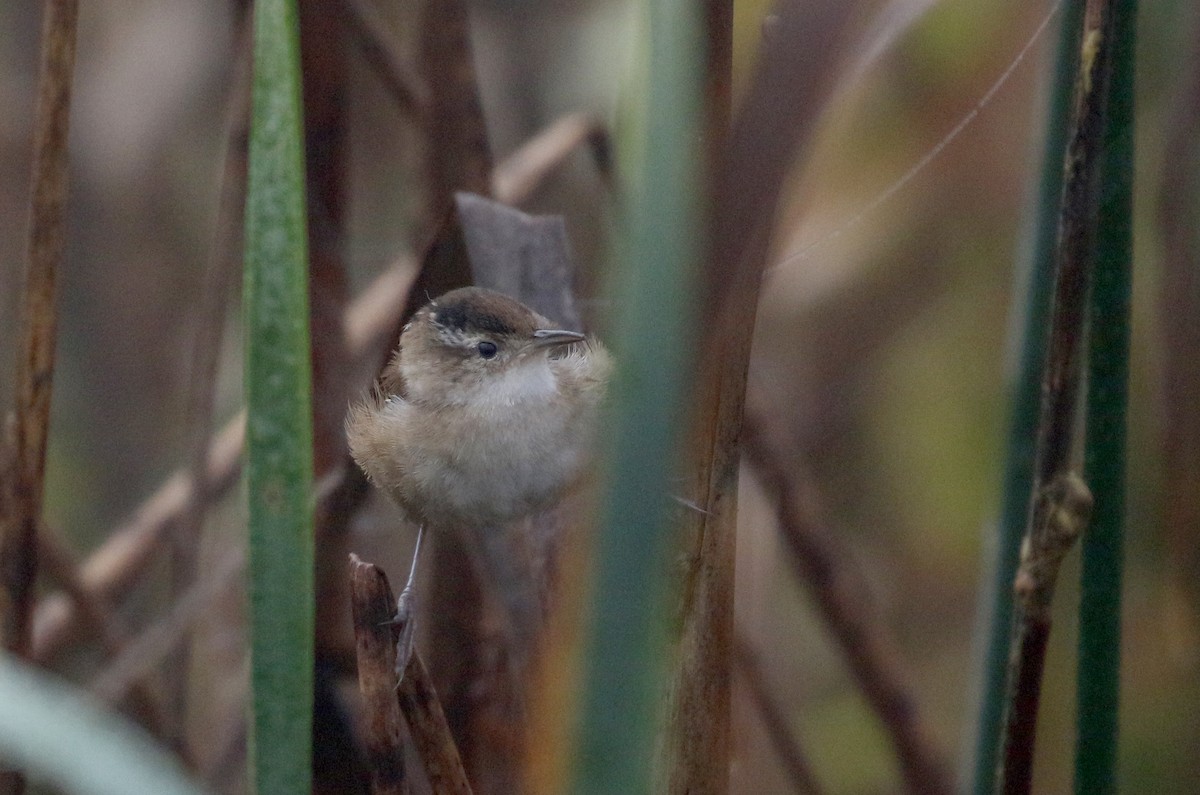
(375, 634)
(374, 642)
(1056, 512)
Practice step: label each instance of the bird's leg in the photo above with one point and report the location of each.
(406, 613)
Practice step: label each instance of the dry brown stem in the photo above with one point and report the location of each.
(23, 444)
(24, 464)
(1049, 535)
(746, 181)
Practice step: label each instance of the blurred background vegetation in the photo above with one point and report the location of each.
(882, 336)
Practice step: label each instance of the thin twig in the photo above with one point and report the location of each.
(779, 729)
(1076, 235)
(373, 39)
(840, 598)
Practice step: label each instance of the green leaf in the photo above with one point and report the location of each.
(653, 326)
(1099, 677)
(51, 732)
(279, 428)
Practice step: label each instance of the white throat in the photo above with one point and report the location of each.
(525, 384)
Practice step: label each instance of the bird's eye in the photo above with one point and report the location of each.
(487, 349)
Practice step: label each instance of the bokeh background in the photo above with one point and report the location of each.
(883, 340)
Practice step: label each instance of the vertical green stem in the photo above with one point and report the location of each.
(1026, 402)
(279, 426)
(652, 335)
(1107, 400)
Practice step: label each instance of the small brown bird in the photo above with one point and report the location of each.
(486, 414)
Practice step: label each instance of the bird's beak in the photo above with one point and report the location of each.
(552, 338)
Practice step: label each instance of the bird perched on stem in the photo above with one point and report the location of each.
(486, 414)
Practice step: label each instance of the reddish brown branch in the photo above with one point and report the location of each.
(23, 450)
(697, 737)
(460, 158)
(24, 469)
(840, 600)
